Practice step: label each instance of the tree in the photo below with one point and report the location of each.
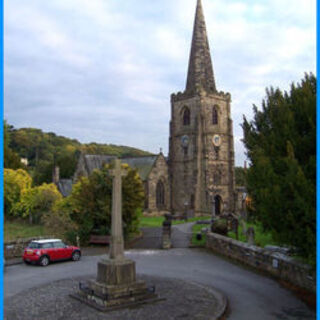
(45, 150)
(59, 221)
(38, 201)
(281, 145)
(90, 202)
(11, 160)
(15, 182)
(240, 175)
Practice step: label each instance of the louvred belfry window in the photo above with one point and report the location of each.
(214, 115)
(186, 117)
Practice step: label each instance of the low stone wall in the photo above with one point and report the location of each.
(276, 264)
(14, 249)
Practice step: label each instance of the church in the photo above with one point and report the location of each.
(198, 177)
(201, 148)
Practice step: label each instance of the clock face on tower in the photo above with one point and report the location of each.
(184, 141)
(216, 140)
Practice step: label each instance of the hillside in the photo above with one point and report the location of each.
(43, 149)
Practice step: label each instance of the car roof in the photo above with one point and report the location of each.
(46, 240)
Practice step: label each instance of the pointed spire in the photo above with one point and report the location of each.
(200, 73)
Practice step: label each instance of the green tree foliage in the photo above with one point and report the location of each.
(59, 222)
(281, 145)
(11, 160)
(38, 201)
(15, 182)
(44, 150)
(240, 174)
(90, 202)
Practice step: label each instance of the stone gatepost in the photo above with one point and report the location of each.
(116, 285)
(166, 232)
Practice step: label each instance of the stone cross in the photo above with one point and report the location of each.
(117, 246)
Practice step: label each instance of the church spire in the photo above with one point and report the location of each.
(200, 73)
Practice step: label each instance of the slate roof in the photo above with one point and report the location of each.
(93, 161)
(142, 164)
(65, 186)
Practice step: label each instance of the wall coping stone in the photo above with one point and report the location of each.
(287, 268)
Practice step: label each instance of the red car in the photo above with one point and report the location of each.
(45, 251)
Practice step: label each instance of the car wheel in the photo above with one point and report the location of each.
(76, 256)
(26, 262)
(44, 261)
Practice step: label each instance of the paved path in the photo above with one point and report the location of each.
(181, 235)
(251, 296)
(151, 239)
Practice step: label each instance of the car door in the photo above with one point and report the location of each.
(58, 250)
(47, 248)
(62, 250)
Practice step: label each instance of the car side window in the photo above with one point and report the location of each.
(47, 245)
(58, 244)
(34, 245)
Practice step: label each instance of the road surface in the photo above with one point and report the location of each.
(251, 296)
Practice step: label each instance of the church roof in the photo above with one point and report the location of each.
(142, 164)
(65, 186)
(94, 161)
(200, 72)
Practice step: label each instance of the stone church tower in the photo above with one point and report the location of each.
(201, 148)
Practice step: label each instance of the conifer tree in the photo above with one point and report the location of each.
(281, 146)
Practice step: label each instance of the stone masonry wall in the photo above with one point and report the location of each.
(278, 265)
(158, 173)
(14, 249)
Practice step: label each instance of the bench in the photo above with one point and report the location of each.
(94, 239)
(181, 217)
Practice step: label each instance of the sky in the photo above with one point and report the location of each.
(103, 70)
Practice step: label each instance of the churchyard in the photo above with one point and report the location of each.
(116, 288)
(171, 237)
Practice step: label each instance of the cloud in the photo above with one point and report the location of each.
(103, 71)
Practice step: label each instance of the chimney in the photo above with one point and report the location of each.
(56, 174)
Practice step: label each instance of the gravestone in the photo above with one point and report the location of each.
(116, 285)
(244, 227)
(250, 236)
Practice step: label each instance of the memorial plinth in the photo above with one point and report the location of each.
(116, 285)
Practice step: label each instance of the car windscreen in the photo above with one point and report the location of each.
(34, 245)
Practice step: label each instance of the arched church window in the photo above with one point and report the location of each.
(215, 118)
(186, 117)
(218, 205)
(160, 195)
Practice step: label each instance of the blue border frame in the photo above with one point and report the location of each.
(1, 160)
(1, 157)
(318, 162)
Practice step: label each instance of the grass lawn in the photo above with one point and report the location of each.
(153, 222)
(195, 229)
(19, 229)
(262, 238)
